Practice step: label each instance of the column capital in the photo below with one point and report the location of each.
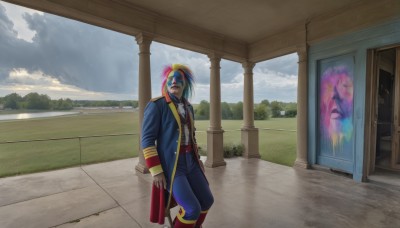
(302, 51)
(215, 56)
(144, 41)
(248, 67)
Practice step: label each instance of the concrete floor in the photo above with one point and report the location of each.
(248, 193)
(384, 176)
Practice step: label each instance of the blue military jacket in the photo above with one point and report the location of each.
(161, 136)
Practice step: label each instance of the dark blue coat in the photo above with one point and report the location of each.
(161, 135)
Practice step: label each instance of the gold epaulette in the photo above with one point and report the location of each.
(156, 98)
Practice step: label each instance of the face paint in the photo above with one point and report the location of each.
(178, 80)
(176, 83)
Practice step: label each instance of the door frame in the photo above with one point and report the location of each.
(370, 112)
(371, 108)
(395, 163)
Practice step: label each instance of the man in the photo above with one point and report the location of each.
(169, 147)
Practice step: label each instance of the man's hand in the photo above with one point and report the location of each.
(159, 181)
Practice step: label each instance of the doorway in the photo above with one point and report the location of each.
(385, 112)
(385, 92)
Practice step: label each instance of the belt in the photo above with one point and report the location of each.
(186, 149)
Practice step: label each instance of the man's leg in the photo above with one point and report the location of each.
(190, 206)
(202, 192)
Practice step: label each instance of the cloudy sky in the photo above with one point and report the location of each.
(62, 58)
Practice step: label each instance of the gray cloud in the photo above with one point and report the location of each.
(163, 55)
(75, 53)
(229, 70)
(6, 25)
(100, 60)
(9, 45)
(286, 65)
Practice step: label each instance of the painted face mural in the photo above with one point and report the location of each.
(336, 105)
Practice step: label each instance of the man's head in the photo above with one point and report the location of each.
(177, 80)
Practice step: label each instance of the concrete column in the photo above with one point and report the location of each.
(144, 42)
(302, 110)
(249, 132)
(215, 153)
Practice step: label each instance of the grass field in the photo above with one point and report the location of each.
(275, 146)
(27, 157)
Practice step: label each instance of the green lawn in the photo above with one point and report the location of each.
(275, 146)
(27, 157)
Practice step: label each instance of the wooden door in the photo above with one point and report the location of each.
(396, 116)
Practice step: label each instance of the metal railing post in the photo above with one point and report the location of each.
(80, 152)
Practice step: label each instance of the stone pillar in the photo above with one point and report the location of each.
(215, 140)
(144, 87)
(249, 132)
(302, 110)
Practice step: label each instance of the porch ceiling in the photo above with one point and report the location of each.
(246, 21)
(252, 30)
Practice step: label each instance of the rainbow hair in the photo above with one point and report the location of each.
(178, 69)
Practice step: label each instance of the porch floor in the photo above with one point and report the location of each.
(248, 193)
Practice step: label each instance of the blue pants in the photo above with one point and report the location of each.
(190, 188)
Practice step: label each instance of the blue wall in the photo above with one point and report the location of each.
(356, 44)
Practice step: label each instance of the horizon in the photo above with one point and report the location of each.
(137, 100)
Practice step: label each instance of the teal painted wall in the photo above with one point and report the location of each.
(356, 44)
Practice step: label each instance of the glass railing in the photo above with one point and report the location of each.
(278, 145)
(28, 156)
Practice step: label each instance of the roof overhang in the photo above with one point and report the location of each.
(237, 30)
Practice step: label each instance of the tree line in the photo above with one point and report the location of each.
(262, 111)
(229, 111)
(44, 102)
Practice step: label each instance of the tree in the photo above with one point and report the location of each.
(12, 101)
(266, 102)
(135, 104)
(290, 109)
(202, 111)
(290, 106)
(226, 111)
(260, 112)
(291, 113)
(36, 101)
(62, 104)
(276, 108)
(237, 111)
(268, 108)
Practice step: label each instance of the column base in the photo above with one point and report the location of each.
(252, 156)
(215, 164)
(301, 164)
(215, 150)
(250, 142)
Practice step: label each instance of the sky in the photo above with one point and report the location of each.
(63, 58)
